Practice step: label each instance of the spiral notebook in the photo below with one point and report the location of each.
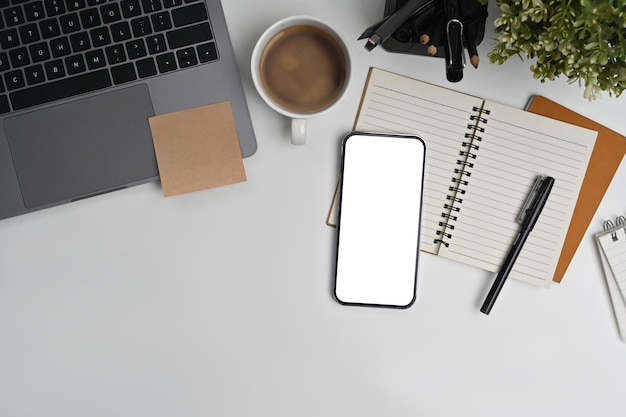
(612, 248)
(482, 160)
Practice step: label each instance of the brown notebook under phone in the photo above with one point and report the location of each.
(605, 159)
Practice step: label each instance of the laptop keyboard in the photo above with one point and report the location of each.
(54, 49)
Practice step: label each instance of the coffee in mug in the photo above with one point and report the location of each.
(301, 68)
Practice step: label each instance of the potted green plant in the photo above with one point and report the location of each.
(583, 40)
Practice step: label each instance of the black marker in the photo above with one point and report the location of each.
(530, 213)
(454, 46)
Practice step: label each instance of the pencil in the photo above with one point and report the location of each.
(470, 44)
(436, 34)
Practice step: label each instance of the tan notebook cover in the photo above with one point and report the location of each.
(607, 155)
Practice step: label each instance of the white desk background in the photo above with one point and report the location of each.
(218, 303)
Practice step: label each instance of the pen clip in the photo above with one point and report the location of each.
(530, 199)
(456, 48)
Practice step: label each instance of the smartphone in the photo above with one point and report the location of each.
(380, 206)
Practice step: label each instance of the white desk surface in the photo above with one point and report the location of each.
(219, 303)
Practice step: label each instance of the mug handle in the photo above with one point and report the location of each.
(298, 132)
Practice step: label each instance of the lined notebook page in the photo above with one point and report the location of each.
(615, 252)
(516, 147)
(393, 103)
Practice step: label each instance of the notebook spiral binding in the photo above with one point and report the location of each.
(614, 227)
(462, 174)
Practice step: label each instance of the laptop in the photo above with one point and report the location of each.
(79, 80)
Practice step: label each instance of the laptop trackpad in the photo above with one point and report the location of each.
(84, 147)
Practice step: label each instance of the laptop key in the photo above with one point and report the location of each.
(146, 67)
(100, 36)
(130, 8)
(207, 52)
(189, 35)
(19, 57)
(4, 104)
(120, 31)
(14, 80)
(156, 44)
(141, 26)
(34, 11)
(115, 54)
(14, 16)
(150, 6)
(90, 18)
(49, 28)
(60, 89)
(166, 62)
(29, 33)
(54, 7)
(187, 15)
(95, 59)
(161, 21)
(60, 47)
(136, 49)
(111, 13)
(54, 69)
(75, 4)
(70, 23)
(80, 41)
(9, 39)
(75, 64)
(172, 3)
(39, 52)
(186, 57)
(123, 73)
(4, 61)
(34, 74)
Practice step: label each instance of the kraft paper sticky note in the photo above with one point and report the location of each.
(197, 149)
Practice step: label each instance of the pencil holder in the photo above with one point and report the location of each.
(432, 28)
(409, 38)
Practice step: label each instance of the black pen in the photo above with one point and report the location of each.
(530, 213)
(392, 23)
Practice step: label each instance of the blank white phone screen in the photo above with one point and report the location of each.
(379, 220)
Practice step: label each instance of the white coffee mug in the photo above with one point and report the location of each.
(301, 68)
